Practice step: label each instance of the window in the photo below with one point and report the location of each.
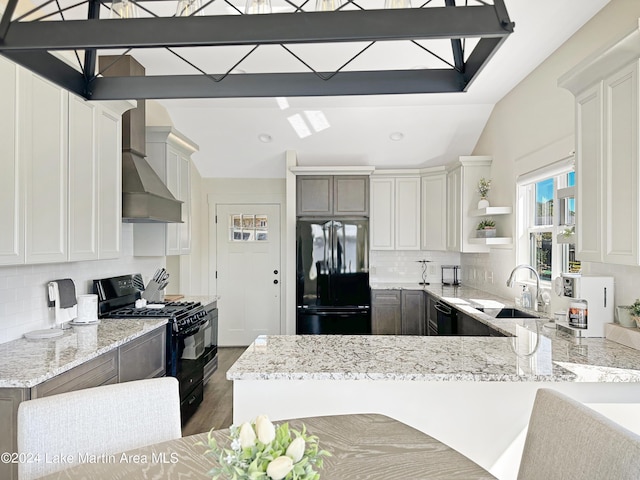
(248, 228)
(547, 223)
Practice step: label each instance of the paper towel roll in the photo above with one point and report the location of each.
(87, 308)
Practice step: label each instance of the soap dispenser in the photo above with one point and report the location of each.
(526, 298)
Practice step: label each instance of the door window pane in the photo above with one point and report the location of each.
(248, 228)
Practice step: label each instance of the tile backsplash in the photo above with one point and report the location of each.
(23, 288)
(405, 267)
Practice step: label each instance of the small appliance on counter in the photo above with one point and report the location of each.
(591, 307)
(450, 275)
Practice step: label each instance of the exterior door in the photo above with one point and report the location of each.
(248, 272)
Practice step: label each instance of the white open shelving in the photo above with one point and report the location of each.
(492, 241)
(485, 212)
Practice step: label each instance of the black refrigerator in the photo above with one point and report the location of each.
(333, 293)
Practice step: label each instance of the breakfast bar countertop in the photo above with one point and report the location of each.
(532, 352)
(26, 363)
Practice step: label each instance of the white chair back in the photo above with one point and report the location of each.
(96, 421)
(567, 440)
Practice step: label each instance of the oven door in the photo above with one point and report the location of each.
(186, 363)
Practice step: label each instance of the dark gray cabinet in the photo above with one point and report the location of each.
(468, 325)
(144, 357)
(398, 312)
(10, 398)
(386, 312)
(98, 371)
(413, 312)
(329, 195)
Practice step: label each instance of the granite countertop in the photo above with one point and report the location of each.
(532, 352)
(26, 363)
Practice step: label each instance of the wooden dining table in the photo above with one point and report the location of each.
(362, 446)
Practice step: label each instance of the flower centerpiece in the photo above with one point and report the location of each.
(259, 450)
(486, 228)
(484, 186)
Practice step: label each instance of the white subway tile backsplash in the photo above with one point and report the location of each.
(23, 290)
(405, 267)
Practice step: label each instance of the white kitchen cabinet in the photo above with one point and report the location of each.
(607, 106)
(43, 156)
(83, 172)
(61, 163)
(434, 209)
(589, 175)
(462, 202)
(95, 179)
(621, 179)
(11, 189)
(109, 152)
(169, 154)
(395, 212)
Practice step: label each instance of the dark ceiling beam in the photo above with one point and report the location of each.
(6, 18)
(51, 68)
(482, 53)
(277, 85)
(313, 27)
(90, 54)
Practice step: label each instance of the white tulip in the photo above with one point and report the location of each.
(265, 429)
(279, 467)
(247, 435)
(295, 450)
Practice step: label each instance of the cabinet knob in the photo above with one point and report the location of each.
(275, 282)
(275, 272)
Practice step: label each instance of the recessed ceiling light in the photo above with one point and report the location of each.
(396, 136)
(265, 137)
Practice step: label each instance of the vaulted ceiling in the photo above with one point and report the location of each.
(247, 137)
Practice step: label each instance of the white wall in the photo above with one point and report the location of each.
(537, 116)
(23, 288)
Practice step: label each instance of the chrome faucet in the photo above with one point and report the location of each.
(512, 278)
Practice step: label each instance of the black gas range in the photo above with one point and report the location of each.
(187, 323)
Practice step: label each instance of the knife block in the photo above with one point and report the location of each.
(153, 293)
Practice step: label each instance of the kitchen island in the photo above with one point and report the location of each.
(472, 393)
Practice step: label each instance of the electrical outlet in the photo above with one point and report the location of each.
(432, 269)
(488, 277)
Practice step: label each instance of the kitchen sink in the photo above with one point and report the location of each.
(513, 313)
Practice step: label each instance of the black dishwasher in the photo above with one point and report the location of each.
(446, 320)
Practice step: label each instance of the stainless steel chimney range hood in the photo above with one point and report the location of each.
(145, 198)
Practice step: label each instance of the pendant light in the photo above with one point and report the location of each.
(328, 5)
(397, 4)
(123, 9)
(257, 6)
(189, 8)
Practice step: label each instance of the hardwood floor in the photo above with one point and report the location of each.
(215, 411)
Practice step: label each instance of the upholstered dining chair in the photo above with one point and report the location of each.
(570, 441)
(96, 421)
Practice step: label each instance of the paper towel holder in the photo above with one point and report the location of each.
(62, 315)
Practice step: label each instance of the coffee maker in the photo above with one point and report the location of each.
(591, 307)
